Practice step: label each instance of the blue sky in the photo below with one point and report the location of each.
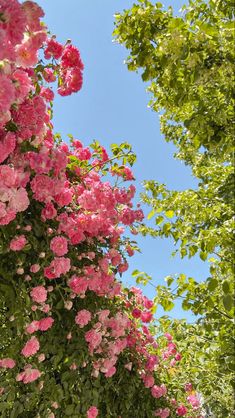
(112, 108)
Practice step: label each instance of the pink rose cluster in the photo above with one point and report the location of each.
(41, 325)
(96, 281)
(31, 118)
(20, 106)
(13, 195)
(58, 267)
(141, 306)
(106, 337)
(23, 51)
(16, 19)
(28, 375)
(71, 66)
(171, 351)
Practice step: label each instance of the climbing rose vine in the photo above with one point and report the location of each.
(74, 342)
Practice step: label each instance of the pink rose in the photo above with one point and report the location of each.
(148, 303)
(92, 412)
(146, 316)
(78, 284)
(158, 391)
(162, 413)
(19, 200)
(34, 268)
(27, 54)
(7, 363)
(41, 357)
(7, 143)
(45, 323)
(194, 401)
(152, 361)
(32, 327)
(39, 294)
(53, 49)
(31, 347)
(181, 410)
(123, 267)
(22, 83)
(47, 93)
(48, 212)
(178, 357)
(82, 318)
(148, 381)
(110, 372)
(7, 93)
(59, 246)
(18, 243)
(136, 313)
(71, 57)
(93, 338)
(168, 336)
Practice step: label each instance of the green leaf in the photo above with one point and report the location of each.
(192, 250)
(186, 305)
(183, 252)
(228, 302)
(169, 280)
(167, 305)
(151, 214)
(69, 410)
(226, 287)
(136, 273)
(213, 283)
(169, 213)
(159, 220)
(203, 256)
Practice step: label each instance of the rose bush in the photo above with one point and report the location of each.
(74, 341)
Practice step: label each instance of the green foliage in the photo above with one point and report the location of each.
(141, 277)
(188, 62)
(199, 345)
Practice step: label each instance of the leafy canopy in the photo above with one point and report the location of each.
(187, 61)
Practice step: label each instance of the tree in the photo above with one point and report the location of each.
(74, 342)
(188, 61)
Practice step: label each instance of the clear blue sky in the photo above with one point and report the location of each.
(112, 108)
